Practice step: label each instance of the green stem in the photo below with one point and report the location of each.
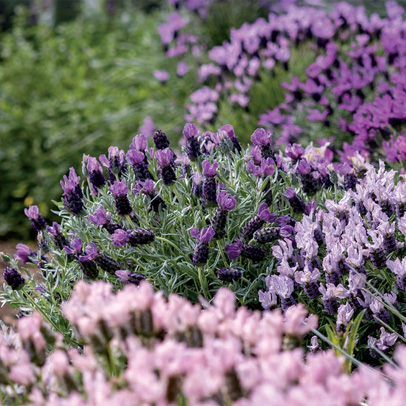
(222, 253)
(203, 283)
(169, 242)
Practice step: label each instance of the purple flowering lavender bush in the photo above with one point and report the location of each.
(278, 229)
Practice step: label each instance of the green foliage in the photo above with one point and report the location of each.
(80, 87)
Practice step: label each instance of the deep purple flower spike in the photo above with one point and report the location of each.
(164, 159)
(13, 278)
(192, 145)
(119, 191)
(37, 222)
(226, 202)
(201, 251)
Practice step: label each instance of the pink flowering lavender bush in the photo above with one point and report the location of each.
(134, 346)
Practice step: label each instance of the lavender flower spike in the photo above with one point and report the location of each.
(209, 182)
(72, 196)
(263, 216)
(201, 251)
(164, 158)
(37, 222)
(13, 278)
(192, 146)
(59, 239)
(344, 315)
(119, 191)
(295, 201)
(226, 202)
(95, 171)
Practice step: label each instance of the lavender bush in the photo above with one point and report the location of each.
(136, 347)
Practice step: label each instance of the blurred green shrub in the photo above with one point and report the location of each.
(77, 88)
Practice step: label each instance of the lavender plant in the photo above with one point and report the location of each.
(137, 347)
(187, 223)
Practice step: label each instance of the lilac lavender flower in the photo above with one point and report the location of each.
(139, 143)
(95, 173)
(267, 299)
(209, 195)
(263, 216)
(192, 146)
(344, 315)
(263, 139)
(164, 158)
(330, 295)
(58, 238)
(37, 222)
(13, 278)
(115, 163)
(378, 310)
(119, 191)
(129, 277)
(384, 342)
(308, 279)
(226, 202)
(229, 274)
(389, 240)
(283, 287)
(201, 251)
(72, 196)
(399, 269)
(160, 140)
(182, 68)
(315, 346)
(139, 164)
(295, 201)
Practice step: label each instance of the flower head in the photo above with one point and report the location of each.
(209, 169)
(119, 188)
(225, 201)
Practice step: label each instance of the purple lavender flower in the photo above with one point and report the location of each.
(294, 152)
(399, 269)
(72, 196)
(95, 173)
(139, 164)
(209, 182)
(384, 342)
(164, 158)
(263, 216)
(105, 262)
(234, 250)
(226, 202)
(75, 247)
(115, 163)
(201, 251)
(192, 146)
(25, 253)
(58, 238)
(130, 277)
(229, 274)
(229, 130)
(282, 286)
(37, 222)
(263, 139)
(295, 201)
(308, 279)
(120, 237)
(266, 167)
(147, 188)
(160, 140)
(13, 278)
(119, 191)
(330, 295)
(139, 143)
